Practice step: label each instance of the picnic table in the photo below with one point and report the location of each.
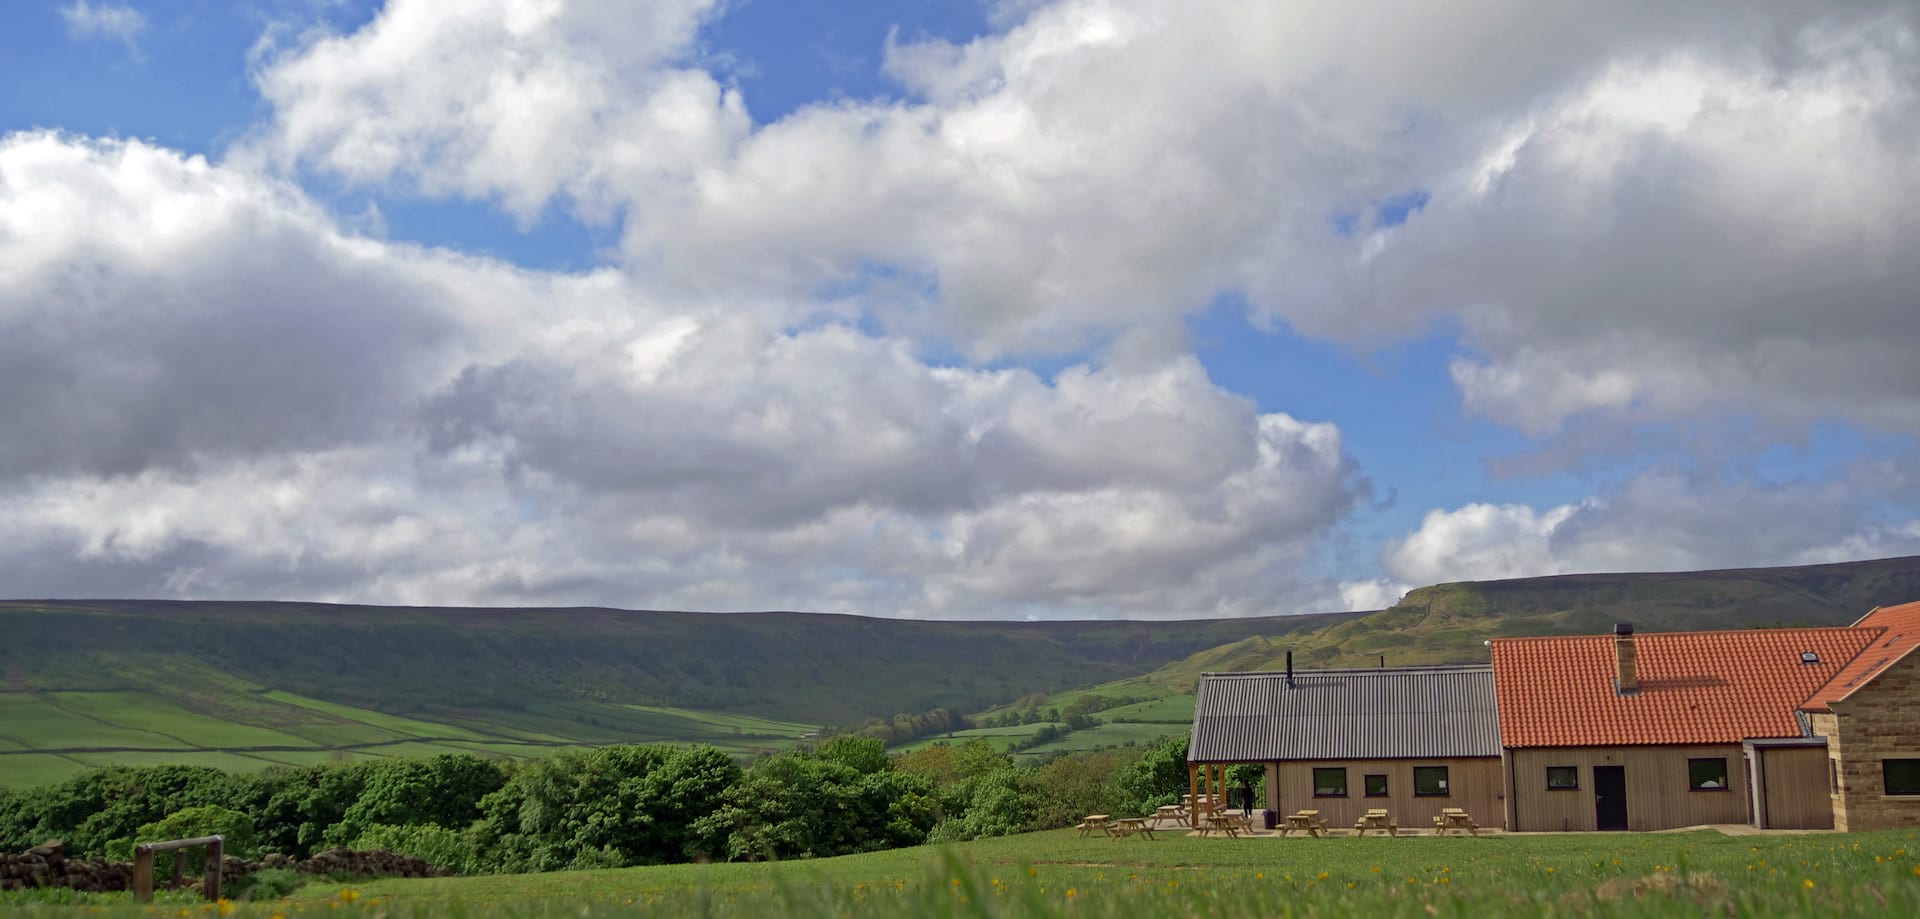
(1093, 823)
(1375, 819)
(1454, 818)
(1307, 820)
(1173, 812)
(1127, 826)
(1222, 823)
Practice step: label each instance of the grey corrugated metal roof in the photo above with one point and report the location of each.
(1417, 712)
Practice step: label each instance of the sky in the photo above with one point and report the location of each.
(950, 308)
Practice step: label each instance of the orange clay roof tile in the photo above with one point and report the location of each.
(1899, 633)
(1696, 687)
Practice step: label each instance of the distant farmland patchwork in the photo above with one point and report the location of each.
(46, 736)
(250, 685)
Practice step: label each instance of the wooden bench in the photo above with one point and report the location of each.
(1307, 820)
(1093, 823)
(1454, 818)
(1127, 826)
(1221, 823)
(1375, 819)
(1173, 812)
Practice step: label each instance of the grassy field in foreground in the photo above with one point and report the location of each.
(1057, 873)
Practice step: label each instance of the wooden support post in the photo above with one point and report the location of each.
(1193, 793)
(216, 856)
(143, 874)
(212, 865)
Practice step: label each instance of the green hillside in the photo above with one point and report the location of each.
(1447, 623)
(249, 685)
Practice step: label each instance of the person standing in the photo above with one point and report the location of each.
(1246, 796)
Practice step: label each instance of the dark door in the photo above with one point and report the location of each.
(1610, 797)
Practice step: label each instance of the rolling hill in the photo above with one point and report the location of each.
(1447, 623)
(248, 685)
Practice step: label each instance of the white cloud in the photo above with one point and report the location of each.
(87, 20)
(504, 99)
(336, 417)
(1376, 593)
(1634, 213)
(1668, 520)
(1632, 205)
(1478, 542)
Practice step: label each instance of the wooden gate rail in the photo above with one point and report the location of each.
(143, 865)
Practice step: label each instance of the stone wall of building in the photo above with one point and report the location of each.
(1880, 721)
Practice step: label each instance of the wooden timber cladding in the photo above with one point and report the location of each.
(1658, 796)
(1791, 777)
(1473, 785)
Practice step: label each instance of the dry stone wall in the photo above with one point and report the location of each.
(48, 866)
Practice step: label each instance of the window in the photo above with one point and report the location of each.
(1376, 786)
(1430, 781)
(1330, 782)
(1562, 778)
(1902, 775)
(1707, 773)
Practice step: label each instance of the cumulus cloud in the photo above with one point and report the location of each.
(1638, 211)
(505, 100)
(336, 417)
(1630, 210)
(120, 23)
(1670, 520)
(131, 337)
(1688, 235)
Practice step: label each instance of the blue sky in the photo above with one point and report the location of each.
(950, 307)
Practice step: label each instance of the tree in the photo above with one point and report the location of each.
(608, 807)
(1069, 787)
(802, 804)
(443, 791)
(234, 828)
(1157, 777)
(302, 804)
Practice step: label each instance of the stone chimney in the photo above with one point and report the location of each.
(1627, 682)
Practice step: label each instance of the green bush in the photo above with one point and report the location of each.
(435, 845)
(235, 829)
(267, 884)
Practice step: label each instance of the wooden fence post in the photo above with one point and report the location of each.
(143, 873)
(216, 852)
(211, 867)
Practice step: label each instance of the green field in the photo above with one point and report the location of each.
(1057, 873)
(1102, 737)
(51, 735)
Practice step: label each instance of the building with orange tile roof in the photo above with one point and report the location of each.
(1869, 714)
(1801, 728)
(1648, 732)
